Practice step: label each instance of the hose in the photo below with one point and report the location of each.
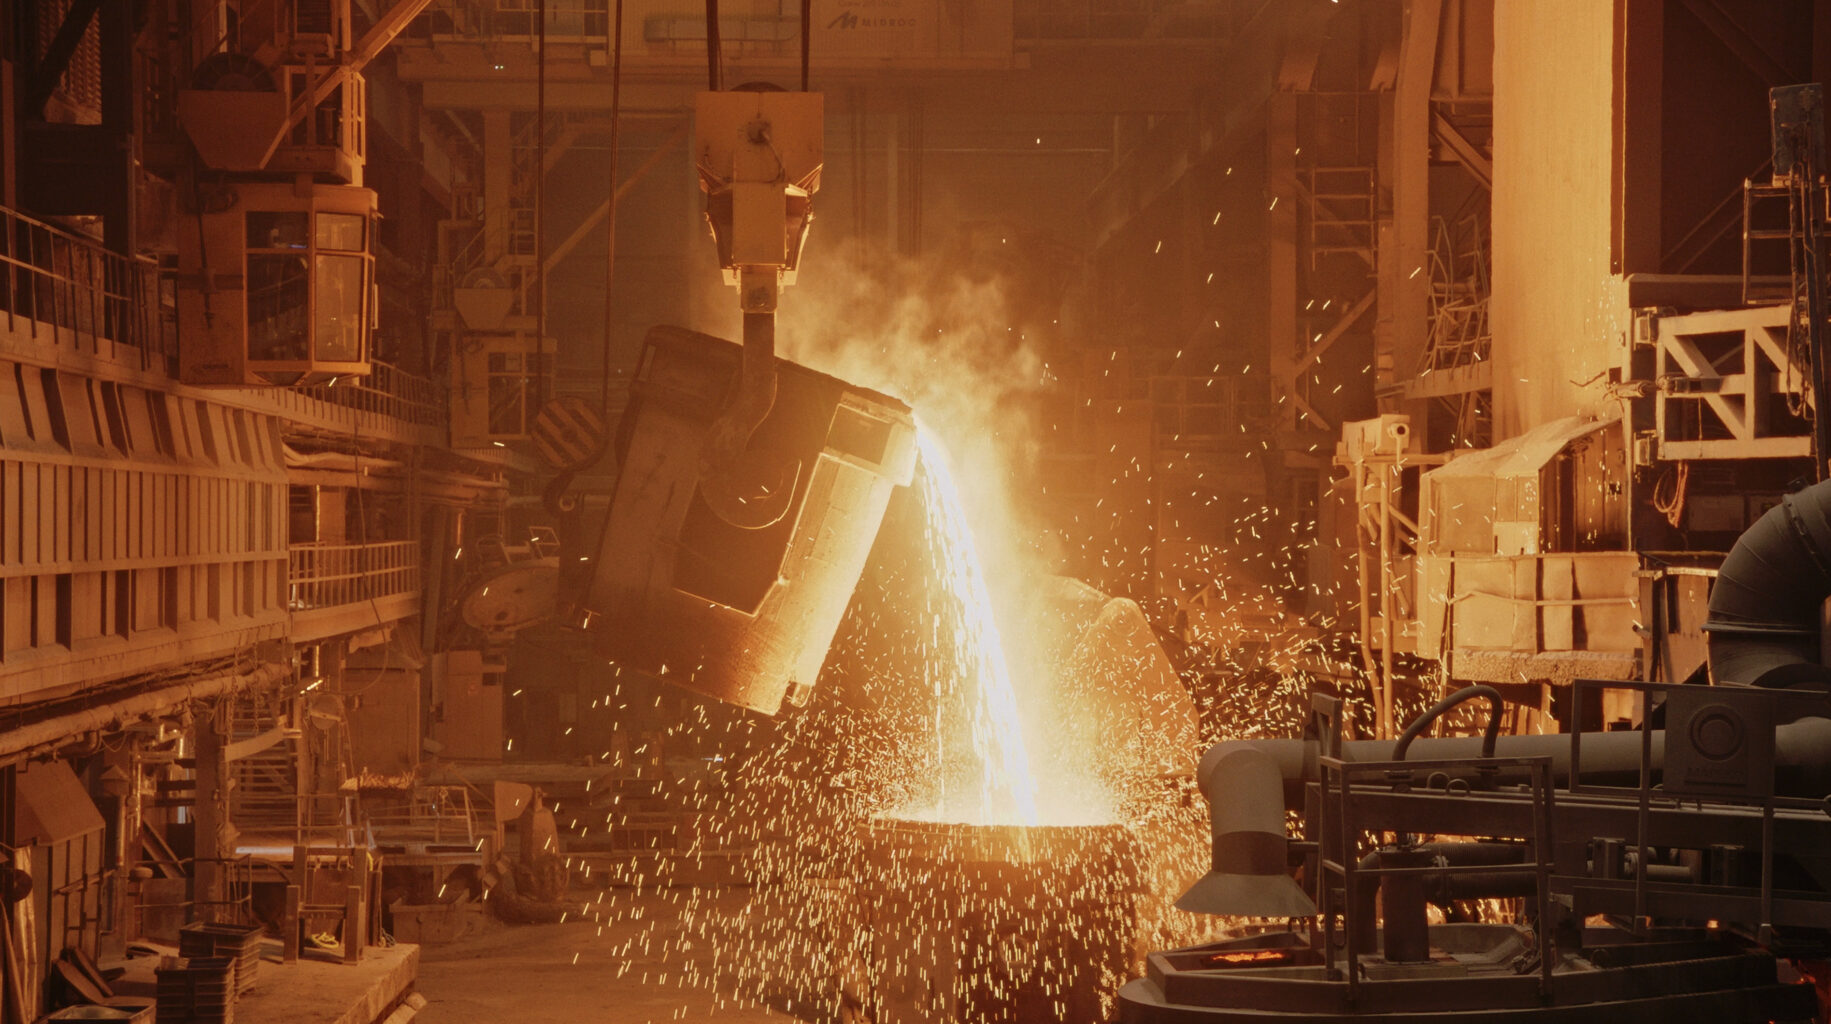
(1764, 605)
(713, 46)
(1423, 721)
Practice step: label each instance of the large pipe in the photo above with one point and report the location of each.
(1765, 604)
(61, 730)
(1801, 765)
(1250, 874)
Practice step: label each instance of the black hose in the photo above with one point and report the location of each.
(610, 203)
(540, 178)
(1423, 721)
(807, 33)
(1764, 605)
(712, 45)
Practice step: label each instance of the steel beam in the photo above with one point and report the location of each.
(1799, 447)
(56, 61)
(1731, 34)
(372, 43)
(1334, 333)
(470, 76)
(210, 812)
(1638, 179)
(597, 216)
(1457, 380)
(1463, 149)
(1285, 339)
(1709, 230)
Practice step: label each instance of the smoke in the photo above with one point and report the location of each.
(946, 342)
(972, 356)
(955, 345)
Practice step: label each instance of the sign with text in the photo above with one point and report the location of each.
(876, 28)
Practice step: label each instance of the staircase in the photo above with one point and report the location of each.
(264, 785)
(1343, 213)
(269, 797)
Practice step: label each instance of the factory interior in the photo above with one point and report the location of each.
(915, 511)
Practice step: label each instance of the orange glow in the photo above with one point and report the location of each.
(983, 718)
(1248, 957)
(1000, 718)
(968, 651)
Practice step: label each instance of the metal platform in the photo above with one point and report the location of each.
(1476, 973)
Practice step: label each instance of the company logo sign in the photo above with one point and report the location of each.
(851, 19)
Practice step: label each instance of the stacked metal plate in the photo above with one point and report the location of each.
(196, 990)
(239, 941)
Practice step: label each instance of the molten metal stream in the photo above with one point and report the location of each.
(969, 652)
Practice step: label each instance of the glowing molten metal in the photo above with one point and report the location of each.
(968, 651)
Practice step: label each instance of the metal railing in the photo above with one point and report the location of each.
(332, 575)
(386, 391)
(1342, 833)
(1459, 287)
(567, 20)
(63, 289)
(1682, 791)
(430, 816)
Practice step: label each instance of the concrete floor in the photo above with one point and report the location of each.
(629, 970)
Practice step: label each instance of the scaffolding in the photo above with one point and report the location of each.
(1456, 348)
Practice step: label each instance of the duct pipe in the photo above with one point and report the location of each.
(1251, 873)
(1766, 602)
(1249, 773)
(60, 730)
(1802, 765)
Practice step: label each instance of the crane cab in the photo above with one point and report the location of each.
(276, 285)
